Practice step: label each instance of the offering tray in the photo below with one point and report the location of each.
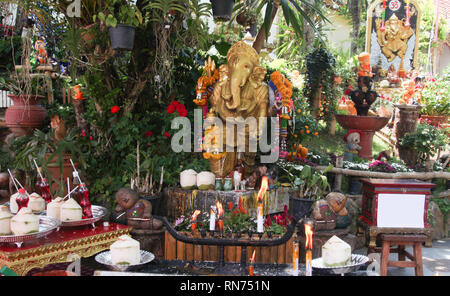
(46, 226)
(98, 212)
(356, 262)
(105, 259)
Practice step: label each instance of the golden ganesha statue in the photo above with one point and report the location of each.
(238, 95)
(394, 39)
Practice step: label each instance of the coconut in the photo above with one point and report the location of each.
(70, 211)
(54, 208)
(24, 222)
(188, 179)
(336, 252)
(5, 220)
(125, 251)
(206, 180)
(36, 203)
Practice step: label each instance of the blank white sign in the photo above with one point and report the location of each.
(401, 210)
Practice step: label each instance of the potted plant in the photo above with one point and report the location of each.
(122, 20)
(435, 100)
(53, 156)
(310, 184)
(222, 9)
(26, 113)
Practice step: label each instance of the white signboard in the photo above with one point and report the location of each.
(401, 210)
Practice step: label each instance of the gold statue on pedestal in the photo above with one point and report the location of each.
(238, 95)
(394, 39)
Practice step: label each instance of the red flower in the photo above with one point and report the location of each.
(182, 113)
(268, 222)
(167, 135)
(171, 109)
(148, 134)
(83, 133)
(90, 138)
(348, 90)
(230, 205)
(115, 109)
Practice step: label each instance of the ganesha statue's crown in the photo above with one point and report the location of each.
(242, 48)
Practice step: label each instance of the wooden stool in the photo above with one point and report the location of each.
(401, 240)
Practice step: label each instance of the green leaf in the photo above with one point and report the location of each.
(268, 18)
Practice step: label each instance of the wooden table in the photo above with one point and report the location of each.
(83, 241)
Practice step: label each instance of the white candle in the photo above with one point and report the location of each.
(212, 219)
(260, 219)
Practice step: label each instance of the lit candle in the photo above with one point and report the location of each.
(308, 248)
(295, 254)
(194, 219)
(251, 267)
(212, 219)
(219, 215)
(260, 208)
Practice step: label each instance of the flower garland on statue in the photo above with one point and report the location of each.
(204, 85)
(282, 91)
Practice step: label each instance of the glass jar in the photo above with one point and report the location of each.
(219, 185)
(228, 184)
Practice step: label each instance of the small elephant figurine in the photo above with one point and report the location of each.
(353, 138)
(138, 212)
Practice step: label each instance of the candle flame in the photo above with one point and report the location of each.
(253, 256)
(309, 234)
(219, 209)
(195, 215)
(263, 188)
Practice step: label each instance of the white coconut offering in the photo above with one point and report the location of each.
(125, 251)
(5, 220)
(13, 206)
(70, 211)
(36, 203)
(24, 222)
(336, 252)
(206, 180)
(54, 208)
(188, 179)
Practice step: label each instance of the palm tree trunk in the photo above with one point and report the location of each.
(355, 10)
(261, 37)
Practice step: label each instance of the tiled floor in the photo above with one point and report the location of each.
(436, 260)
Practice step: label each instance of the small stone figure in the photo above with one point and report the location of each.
(364, 65)
(353, 137)
(138, 211)
(363, 97)
(330, 213)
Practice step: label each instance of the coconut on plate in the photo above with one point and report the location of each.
(36, 203)
(13, 206)
(5, 220)
(336, 252)
(206, 180)
(24, 222)
(54, 208)
(70, 211)
(125, 251)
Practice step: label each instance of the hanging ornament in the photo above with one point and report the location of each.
(408, 14)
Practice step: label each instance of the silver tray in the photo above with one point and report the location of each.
(46, 226)
(356, 262)
(98, 212)
(105, 259)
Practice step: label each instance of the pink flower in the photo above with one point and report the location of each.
(148, 134)
(83, 133)
(90, 138)
(115, 109)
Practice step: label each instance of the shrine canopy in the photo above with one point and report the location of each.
(392, 36)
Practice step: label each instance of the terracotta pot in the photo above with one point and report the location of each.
(88, 36)
(25, 114)
(436, 120)
(55, 173)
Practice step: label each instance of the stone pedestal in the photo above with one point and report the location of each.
(406, 117)
(150, 240)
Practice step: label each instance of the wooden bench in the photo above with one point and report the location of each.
(400, 240)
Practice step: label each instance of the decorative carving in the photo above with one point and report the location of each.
(393, 40)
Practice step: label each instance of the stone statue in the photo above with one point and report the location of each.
(330, 213)
(353, 138)
(363, 96)
(394, 39)
(138, 212)
(239, 94)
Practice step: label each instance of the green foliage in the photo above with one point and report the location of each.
(10, 52)
(436, 96)
(426, 140)
(120, 12)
